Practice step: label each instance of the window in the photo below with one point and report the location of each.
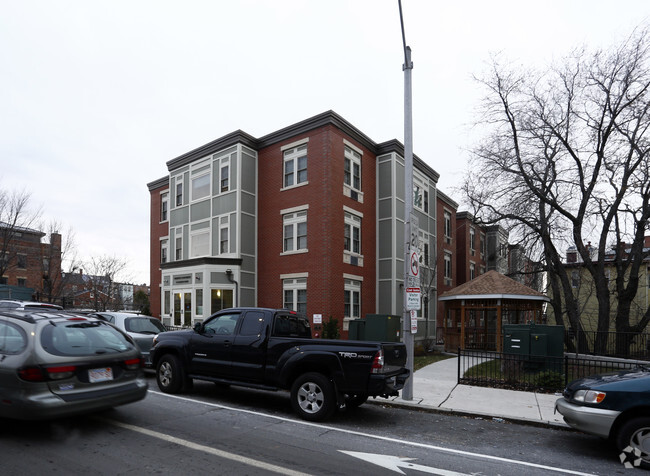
(295, 231)
(472, 239)
(295, 294)
(420, 192)
(352, 299)
(447, 268)
(164, 206)
(447, 227)
(291, 326)
(426, 201)
(418, 196)
(472, 271)
(224, 235)
(22, 282)
(352, 169)
(198, 303)
(575, 278)
(224, 178)
(223, 325)
(295, 166)
(352, 233)
(178, 249)
(164, 244)
(179, 190)
(252, 324)
(21, 261)
(167, 300)
(482, 245)
(220, 299)
(201, 186)
(200, 243)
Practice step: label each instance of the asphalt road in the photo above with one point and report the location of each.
(241, 431)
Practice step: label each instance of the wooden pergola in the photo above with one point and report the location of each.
(475, 312)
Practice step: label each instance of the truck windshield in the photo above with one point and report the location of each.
(291, 326)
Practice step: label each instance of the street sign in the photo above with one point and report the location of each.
(413, 299)
(414, 322)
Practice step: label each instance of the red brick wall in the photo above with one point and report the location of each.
(158, 230)
(325, 219)
(441, 207)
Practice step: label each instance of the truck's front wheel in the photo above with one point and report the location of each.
(313, 397)
(169, 374)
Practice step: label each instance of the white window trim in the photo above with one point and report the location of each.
(194, 234)
(163, 192)
(208, 174)
(352, 289)
(294, 287)
(161, 239)
(221, 227)
(179, 179)
(294, 158)
(294, 222)
(352, 224)
(178, 236)
(294, 275)
(353, 160)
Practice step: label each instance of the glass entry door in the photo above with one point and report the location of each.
(183, 308)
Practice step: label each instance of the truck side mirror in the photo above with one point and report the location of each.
(198, 327)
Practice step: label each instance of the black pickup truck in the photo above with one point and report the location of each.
(272, 349)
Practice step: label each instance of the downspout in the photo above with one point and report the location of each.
(229, 275)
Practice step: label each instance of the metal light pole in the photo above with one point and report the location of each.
(407, 391)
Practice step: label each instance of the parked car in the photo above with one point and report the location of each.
(55, 364)
(141, 328)
(614, 406)
(17, 304)
(273, 349)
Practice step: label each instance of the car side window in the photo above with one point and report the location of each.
(252, 324)
(12, 339)
(290, 326)
(222, 325)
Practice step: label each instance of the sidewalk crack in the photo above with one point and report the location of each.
(447, 398)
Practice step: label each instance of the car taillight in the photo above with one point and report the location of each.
(31, 374)
(378, 362)
(133, 364)
(38, 374)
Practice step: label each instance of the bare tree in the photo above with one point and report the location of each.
(15, 215)
(102, 280)
(565, 162)
(58, 255)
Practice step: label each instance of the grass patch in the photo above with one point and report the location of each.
(420, 361)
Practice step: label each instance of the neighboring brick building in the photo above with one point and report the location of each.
(309, 217)
(31, 263)
(446, 276)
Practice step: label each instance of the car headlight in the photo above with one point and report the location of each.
(589, 396)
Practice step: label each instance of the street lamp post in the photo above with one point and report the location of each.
(407, 391)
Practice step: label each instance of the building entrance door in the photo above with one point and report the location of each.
(183, 308)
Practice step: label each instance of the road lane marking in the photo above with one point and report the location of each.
(377, 437)
(206, 449)
(394, 463)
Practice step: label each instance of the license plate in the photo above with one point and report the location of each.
(100, 375)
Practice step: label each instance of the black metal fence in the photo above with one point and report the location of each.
(531, 373)
(628, 345)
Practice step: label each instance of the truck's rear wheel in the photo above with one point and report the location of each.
(169, 374)
(313, 397)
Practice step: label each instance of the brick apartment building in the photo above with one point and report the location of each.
(309, 217)
(31, 264)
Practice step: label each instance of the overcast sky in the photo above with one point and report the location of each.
(96, 96)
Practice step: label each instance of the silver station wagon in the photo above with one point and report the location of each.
(55, 364)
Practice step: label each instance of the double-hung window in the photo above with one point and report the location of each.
(164, 245)
(420, 192)
(164, 206)
(352, 299)
(179, 190)
(352, 169)
(295, 166)
(178, 244)
(200, 240)
(295, 231)
(472, 240)
(352, 233)
(201, 186)
(447, 268)
(224, 235)
(295, 294)
(447, 216)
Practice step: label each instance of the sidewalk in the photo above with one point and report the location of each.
(435, 388)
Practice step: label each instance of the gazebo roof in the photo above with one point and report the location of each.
(492, 285)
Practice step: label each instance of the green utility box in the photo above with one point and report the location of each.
(376, 327)
(539, 346)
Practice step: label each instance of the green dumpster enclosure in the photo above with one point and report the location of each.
(540, 346)
(376, 327)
